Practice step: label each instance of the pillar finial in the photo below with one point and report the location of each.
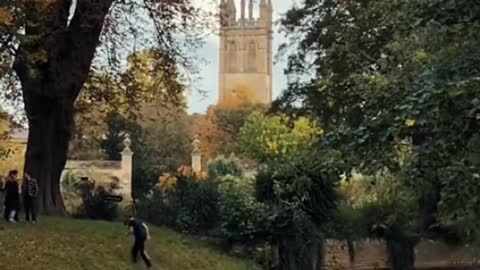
(196, 144)
(231, 12)
(196, 155)
(127, 142)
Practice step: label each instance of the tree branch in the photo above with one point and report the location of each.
(45, 28)
(82, 40)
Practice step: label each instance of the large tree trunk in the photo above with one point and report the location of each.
(52, 62)
(301, 249)
(50, 127)
(300, 254)
(401, 253)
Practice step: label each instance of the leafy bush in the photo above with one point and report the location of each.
(198, 204)
(160, 209)
(195, 206)
(226, 206)
(223, 166)
(190, 206)
(378, 206)
(240, 214)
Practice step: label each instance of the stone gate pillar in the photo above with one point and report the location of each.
(127, 170)
(196, 156)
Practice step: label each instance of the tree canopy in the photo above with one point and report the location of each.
(266, 138)
(159, 146)
(382, 75)
(219, 130)
(143, 92)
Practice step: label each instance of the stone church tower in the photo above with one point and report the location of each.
(245, 54)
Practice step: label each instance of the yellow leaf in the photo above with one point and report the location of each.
(410, 122)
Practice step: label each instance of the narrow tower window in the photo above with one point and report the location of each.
(232, 57)
(252, 57)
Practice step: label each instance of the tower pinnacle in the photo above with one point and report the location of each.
(250, 10)
(242, 11)
(231, 12)
(266, 12)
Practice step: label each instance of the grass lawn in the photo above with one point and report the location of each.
(68, 244)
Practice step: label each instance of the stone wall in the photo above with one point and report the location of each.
(16, 142)
(121, 170)
(371, 254)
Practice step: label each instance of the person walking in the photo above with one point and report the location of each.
(141, 235)
(12, 197)
(30, 194)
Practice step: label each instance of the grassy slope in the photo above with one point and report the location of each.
(66, 244)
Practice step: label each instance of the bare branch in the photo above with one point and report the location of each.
(82, 40)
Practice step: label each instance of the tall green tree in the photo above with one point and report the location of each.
(389, 72)
(296, 183)
(299, 190)
(53, 44)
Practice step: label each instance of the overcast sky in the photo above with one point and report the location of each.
(198, 102)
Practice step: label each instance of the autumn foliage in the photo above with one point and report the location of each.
(219, 130)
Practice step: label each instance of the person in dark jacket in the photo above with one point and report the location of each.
(30, 194)
(141, 235)
(12, 197)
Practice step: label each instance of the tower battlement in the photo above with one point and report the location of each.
(228, 14)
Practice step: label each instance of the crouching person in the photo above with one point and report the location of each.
(30, 194)
(141, 234)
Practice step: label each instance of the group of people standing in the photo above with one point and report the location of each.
(29, 193)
